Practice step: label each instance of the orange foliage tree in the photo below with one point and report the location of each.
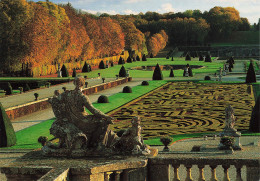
(157, 42)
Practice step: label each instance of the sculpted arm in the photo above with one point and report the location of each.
(93, 110)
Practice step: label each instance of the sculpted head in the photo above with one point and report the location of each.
(79, 82)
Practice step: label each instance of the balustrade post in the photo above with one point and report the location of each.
(176, 174)
(201, 173)
(117, 175)
(213, 173)
(238, 177)
(159, 172)
(253, 172)
(125, 175)
(226, 176)
(107, 176)
(188, 177)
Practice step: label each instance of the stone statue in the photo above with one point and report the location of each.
(229, 129)
(131, 140)
(59, 72)
(230, 119)
(81, 134)
(74, 127)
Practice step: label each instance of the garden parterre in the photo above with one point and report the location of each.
(186, 108)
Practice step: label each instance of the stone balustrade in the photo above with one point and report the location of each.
(160, 168)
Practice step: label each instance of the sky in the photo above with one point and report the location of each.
(247, 8)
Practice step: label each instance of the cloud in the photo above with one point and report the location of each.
(133, 1)
(129, 11)
(111, 12)
(165, 8)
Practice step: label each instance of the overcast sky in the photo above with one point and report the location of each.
(247, 8)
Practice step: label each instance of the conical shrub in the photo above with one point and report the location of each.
(137, 58)
(121, 61)
(208, 58)
(86, 68)
(64, 71)
(157, 74)
(250, 76)
(254, 125)
(7, 134)
(151, 55)
(190, 72)
(102, 65)
(144, 58)
(172, 59)
(129, 60)
(171, 73)
(201, 58)
(188, 57)
(74, 73)
(122, 72)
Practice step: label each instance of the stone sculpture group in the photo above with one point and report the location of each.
(81, 134)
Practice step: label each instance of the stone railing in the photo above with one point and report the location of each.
(137, 169)
(159, 168)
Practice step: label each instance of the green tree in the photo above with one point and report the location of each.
(13, 16)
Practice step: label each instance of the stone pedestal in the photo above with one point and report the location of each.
(233, 133)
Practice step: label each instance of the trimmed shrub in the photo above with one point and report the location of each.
(144, 58)
(26, 88)
(9, 89)
(112, 64)
(7, 134)
(103, 99)
(208, 58)
(151, 55)
(207, 78)
(134, 59)
(250, 76)
(201, 58)
(127, 89)
(254, 125)
(157, 74)
(64, 71)
(166, 140)
(137, 58)
(74, 73)
(129, 60)
(101, 65)
(231, 60)
(188, 57)
(145, 83)
(171, 73)
(121, 61)
(172, 59)
(86, 68)
(36, 95)
(64, 88)
(190, 72)
(122, 72)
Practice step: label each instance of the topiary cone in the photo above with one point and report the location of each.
(7, 134)
(157, 74)
(122, 72)
(171, 73)
(250, 76)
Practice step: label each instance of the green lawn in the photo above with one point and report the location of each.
(113, 71)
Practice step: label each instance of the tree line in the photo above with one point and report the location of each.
(45, 33)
